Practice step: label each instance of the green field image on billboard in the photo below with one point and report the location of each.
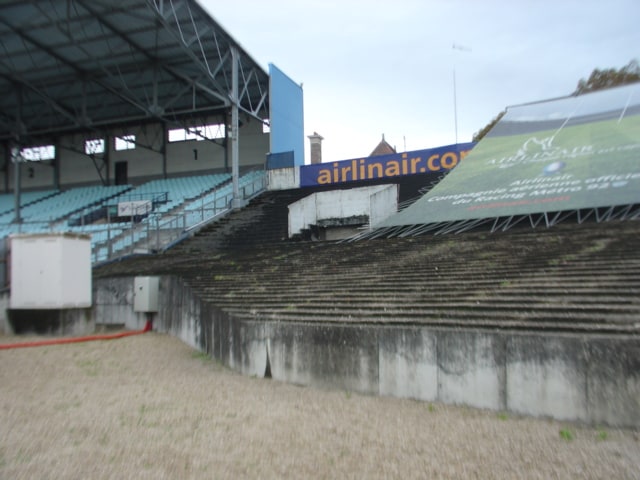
(589, 158)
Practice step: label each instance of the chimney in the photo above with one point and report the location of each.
(316, 147)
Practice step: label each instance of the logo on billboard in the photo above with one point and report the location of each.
(535, 145)
(536, 149)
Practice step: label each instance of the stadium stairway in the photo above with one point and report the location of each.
(265, 220)
(570, 278)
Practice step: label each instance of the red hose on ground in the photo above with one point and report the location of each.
(89, 338)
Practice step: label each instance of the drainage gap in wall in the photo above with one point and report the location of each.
(267, 370)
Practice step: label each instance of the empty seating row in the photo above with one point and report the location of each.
(128, 240)
(7, 200)
(219, 197)
(178, 190)
(52, 211)
(57, 207)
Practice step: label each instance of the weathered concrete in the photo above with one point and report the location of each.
(5, 325)
(283, 178)
(408, 363)
(546, 376)
(613, 381)
(326, 356)
(77, 321)
(471, 368)
(587, 378)
(366, 204)
(254, 352)
(180, 313)
(113, 304)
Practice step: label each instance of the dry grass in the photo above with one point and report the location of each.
(150, 407)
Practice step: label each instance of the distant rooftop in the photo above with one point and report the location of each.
(383, 148)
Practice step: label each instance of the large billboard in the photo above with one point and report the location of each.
(432, 160)
(572, 153)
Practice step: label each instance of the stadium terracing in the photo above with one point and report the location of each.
(512, 283)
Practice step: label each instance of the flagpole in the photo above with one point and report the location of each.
(455, 104)
(455, 96)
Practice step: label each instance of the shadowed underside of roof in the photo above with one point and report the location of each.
(77, 65)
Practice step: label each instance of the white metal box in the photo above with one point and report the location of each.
(145, 294)
(50, 271)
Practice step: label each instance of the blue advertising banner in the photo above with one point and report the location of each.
(385, 166)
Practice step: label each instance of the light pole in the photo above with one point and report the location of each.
(455, 99)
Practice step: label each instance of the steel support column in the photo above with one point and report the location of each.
(7, 163)
(16, 157)
(56, 165)
(15, 160)
(165, 135)
(235, 160)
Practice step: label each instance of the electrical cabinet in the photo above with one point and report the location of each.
(145, 294)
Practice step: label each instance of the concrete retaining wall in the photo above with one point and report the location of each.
(375, 203)
(283, 178)
(593, 379)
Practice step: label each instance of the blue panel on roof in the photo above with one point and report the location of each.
(286, 116)
(280, 160)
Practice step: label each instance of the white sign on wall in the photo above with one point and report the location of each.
(138, 207)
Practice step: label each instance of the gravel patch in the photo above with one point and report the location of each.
(149, 407)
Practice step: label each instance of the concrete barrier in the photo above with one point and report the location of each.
(471, 368)
(546, 376)
(113, 304)
(408, 365)
(593, 379)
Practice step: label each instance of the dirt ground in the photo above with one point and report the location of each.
(149, 407)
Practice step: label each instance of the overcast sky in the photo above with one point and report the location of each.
(371, 67)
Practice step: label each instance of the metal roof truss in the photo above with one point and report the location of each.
(77, 65)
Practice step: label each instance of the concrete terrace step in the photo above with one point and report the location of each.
(567, 278)
(454, 286)
(417, 315)
(269, 298)
(460, 303)
(491, 287)
(412, 304)
(597, 303)
(453, 321)
(628, 269)
(412, 266)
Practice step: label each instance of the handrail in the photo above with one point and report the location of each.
(155, 197)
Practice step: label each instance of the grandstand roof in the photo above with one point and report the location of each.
(74, 65)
